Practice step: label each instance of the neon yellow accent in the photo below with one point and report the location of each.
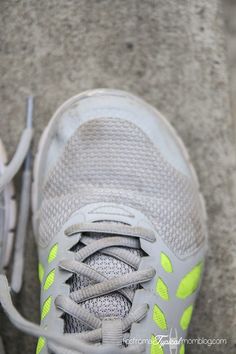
(53, 253)
(162, 289)
(186, 317)
(159, 317)
(182, 349)
(40, 272)
(49, 280)
(156, 348)
(40, 345)
(190, 282)
(166, 263)
(46, 307)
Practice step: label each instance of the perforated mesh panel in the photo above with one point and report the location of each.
(156, 347)
(186, 317)
(46, 307)
(40, 345)
(159, 317)
(49, 280)
(190, 282)
(112, 160)
(162, 289)
(53, 253)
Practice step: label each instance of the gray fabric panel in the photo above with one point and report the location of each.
(112, 160)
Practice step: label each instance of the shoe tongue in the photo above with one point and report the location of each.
(110, 306)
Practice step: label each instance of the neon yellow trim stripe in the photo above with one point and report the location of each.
(162, 289)
(53, 253)
(159, 317)
(190, 282)
(166, 263)
(40, 345)
(186, 318)
(182, 349)
(46, 307)
(49, 280)
(156, 348)
(40, 272)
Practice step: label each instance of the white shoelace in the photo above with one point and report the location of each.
(22, 154)
(105, 336)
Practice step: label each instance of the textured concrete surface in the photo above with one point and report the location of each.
(230, 26)
(172, 53)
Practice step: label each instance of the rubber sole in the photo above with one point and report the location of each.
(67, 105)
(11, 210)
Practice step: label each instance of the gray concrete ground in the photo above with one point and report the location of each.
(230, 26)
(172, 53)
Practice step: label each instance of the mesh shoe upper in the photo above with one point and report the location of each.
(112, 160)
